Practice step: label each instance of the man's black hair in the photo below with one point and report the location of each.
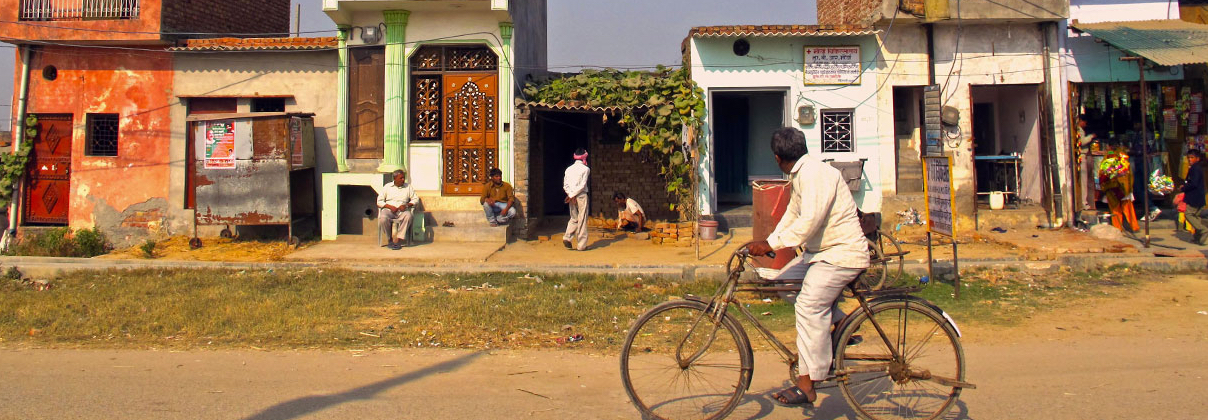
(495, 171)
(618, 196)
(1197, 153)
(789, 144)
(580, 151)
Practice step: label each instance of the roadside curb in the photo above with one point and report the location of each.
(49, 267)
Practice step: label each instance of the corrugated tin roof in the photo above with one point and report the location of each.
(780, 30)
(254, 44)
(1164, 42)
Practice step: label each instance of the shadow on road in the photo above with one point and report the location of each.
(306, 405)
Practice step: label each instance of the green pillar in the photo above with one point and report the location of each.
(506, 99)
(342, 102)
(395, 156)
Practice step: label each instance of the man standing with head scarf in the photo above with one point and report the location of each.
(574, 183)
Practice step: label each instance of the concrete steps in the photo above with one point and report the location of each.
(469, 224)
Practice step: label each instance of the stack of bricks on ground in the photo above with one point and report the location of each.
(660, 233)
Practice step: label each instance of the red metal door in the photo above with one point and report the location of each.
(471, 143)
(47, 181)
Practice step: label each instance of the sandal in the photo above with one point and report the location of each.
(793, 396)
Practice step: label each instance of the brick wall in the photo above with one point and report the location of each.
(613, 169)
(849, 12)
(227, 16)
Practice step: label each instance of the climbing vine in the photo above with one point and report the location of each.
(12, 165)
(654, 107)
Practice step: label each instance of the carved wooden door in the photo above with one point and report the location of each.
(471, 143)
(48, 178)
(367, 96)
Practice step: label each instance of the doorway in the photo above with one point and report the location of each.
(1007, 142)
(562, 133)
(456, 104)
(48, 185)
(908, 135)
(743, 123)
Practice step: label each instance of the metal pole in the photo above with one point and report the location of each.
(298, 22)
(956, 270)
(930, 274)
(1144, 145)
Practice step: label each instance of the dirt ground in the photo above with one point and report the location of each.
(616, 250)
(1135, 353)
(213, 249)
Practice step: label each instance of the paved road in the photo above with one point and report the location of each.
(1093, 378)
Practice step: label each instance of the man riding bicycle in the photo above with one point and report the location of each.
(821, 217)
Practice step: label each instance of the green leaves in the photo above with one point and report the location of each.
(655, 107)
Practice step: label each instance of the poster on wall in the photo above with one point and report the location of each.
(832, 65)
(295, 140)
(220, 145)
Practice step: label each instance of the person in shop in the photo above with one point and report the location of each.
(1194, 192)
(1116, 182)
(574, 183)
(630, 215)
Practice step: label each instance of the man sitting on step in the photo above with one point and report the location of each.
(394, 209)
(497, 199)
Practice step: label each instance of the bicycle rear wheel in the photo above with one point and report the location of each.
(895, 265)
(922, 384)
(709, 387)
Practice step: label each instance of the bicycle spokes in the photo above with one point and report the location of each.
(914, 372)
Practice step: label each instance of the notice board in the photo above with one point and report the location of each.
(937, 181)
(832, 65)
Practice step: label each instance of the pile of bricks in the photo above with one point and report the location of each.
(673, 234)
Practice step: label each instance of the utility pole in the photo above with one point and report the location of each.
(298, 22)
(1144, 193)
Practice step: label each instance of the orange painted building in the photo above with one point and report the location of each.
(99, 91)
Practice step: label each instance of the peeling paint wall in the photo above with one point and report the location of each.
(136, 85)
(145, 28)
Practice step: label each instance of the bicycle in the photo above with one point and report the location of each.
(885, 255)
(676, 365)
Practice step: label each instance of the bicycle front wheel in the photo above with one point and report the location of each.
(664, 385)
(922, 383)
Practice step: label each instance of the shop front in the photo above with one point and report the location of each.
(1137, 100)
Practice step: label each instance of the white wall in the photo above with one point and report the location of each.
(777, 63)
(1094, 11)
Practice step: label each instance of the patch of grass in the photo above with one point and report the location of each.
(348, 309)
(148, 248)
(317, 308)
(62, 242)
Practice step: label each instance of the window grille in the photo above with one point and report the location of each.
(102, 135)
(837, 135)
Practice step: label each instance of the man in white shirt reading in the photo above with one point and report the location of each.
(574, 183)
(630, 215)
(394, 209)
(821, 216)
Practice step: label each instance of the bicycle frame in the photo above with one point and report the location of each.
(720, 303)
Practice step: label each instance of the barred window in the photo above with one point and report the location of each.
(102, 135)
(837, 133)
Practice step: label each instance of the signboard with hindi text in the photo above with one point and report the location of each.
(937, 181)
(832, 65)
(220, 145)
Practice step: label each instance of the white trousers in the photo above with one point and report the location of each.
(816, 308)
(576, 228)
